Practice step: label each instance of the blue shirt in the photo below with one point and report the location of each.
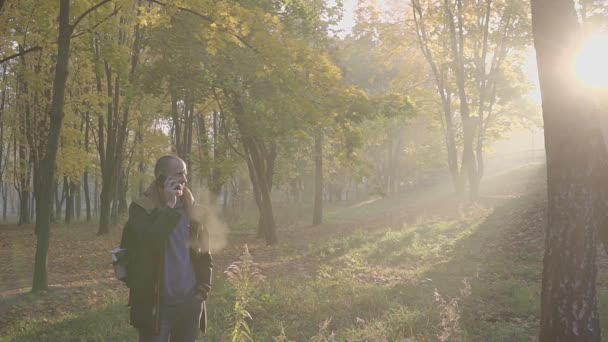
(179, 281)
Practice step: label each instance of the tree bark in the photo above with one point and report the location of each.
(576, 168)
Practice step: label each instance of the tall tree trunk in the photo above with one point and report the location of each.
(260, 163)
(4, 200)
(487, 85)
(105, 205)
(450, 142)
(116, 195)
(188, 125)
(12, 202)
(317, 217)
(3, 162)
(24, 186)
(77, 200)
(58, 199)
(45, 179)
(219, 153)
(122, 198)
(225, 197)
(117, 128)
(203, 151)
(469, 124)
(68, 188)
(87, 197)
(267, 223)
(85, 176)
(32, 209)
(107, 160)
(96, 196)
(177, 128)
(444, 92)
(576, 169)
(141, 166)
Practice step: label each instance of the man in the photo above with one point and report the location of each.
(169, 263)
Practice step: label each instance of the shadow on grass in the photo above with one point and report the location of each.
(499, 252)
(109, 323)
(502, 260)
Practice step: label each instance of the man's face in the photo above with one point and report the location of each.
(178, 172)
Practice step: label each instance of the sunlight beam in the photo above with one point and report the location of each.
(591, 65)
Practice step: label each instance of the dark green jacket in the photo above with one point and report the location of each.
(144, 236)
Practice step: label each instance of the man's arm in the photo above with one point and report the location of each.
(203, 263)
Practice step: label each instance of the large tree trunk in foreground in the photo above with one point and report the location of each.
(45, 179)
(576, 167)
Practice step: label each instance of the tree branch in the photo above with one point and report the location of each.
(232, 147)
(85, 13)
(80, 33)
(202, 16)
(209, 19)
(26, 51)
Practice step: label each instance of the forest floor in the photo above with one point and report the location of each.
(412, 267)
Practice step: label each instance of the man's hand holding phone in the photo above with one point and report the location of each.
(171, 191)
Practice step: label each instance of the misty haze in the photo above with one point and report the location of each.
(303, 170)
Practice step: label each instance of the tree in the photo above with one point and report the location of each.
(470, 52)
(45, 179)
(576, 168)
(117, 52)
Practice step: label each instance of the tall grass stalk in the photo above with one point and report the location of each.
(243, 276)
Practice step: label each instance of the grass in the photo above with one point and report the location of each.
(372, 277)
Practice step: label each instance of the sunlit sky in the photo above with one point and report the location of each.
(348, 19)
(590, 66)
(532, 71)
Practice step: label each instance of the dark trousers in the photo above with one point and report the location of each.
(178, 323)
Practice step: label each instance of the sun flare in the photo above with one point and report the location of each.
(591, 65)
